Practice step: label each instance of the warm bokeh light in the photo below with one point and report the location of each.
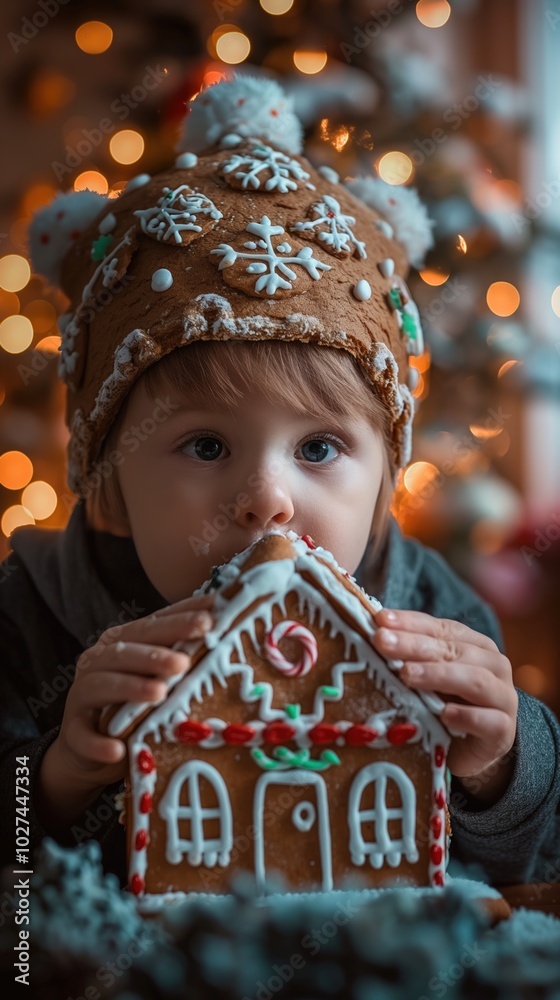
(502, 298)
(488, 536)
(49, 91)
(14, 272)
(395, 167)
(41, 314)
(531, 679)
(126, 146)
(420, 361)
(483, 433)
(340, 139)
(432, 277)
(16, 470)
(461, 243)
(92, 180)
(37, 197)
(433, 13)
(277, 6)
(555, 301)
(39, 499)
(9, 304)
(418, 475)
(506, 367)
(49, 345)
(94, 37)
(233, 47)
(16, 334)
(310, 62)
(14, 517)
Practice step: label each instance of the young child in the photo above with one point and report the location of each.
(206, 407)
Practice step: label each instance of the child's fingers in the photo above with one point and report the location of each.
(188, 604)
(442, 628)
(138, 658)
(86, 742)
(100, 689)
(155, 630)
(490, 726)
(405, 645)
(473, 684)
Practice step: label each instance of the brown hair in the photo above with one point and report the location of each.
(310, 378)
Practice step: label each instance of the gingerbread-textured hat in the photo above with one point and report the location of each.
(241, 239)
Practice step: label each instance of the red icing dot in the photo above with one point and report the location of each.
(192, 732)
(359, 736)
(309, 541)
(44, 238)
(238, 734)
(439, 756)
(146, 762)
(439, 798)
(436, 854)
(401, 732)
(146, 803)
(436, 824)
(240, 101)
(142, 840)
(74, 234)
(392, 201)
(137, 884)
(438, 878)
(274, 113)
(323, 733)
(330, 215)
(278, 732)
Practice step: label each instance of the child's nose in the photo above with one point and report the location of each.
(269, 500)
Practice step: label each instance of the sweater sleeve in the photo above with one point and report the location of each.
(20, 736)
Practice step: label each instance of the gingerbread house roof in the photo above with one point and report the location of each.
(247, 589)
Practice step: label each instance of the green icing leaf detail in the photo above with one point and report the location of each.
(330, 692)
(257, 690)
(100, 246)
(292, 711)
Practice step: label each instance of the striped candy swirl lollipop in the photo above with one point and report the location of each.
(292, 630)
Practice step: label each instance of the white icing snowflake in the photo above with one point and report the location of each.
(267, 263)
(266, 158)
(176, 211)
(339, 235)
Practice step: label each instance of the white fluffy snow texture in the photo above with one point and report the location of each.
(248, 106)
(50, 230)
(402, 208)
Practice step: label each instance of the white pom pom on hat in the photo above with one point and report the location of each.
(53, 229)
(245, 107)
(402, 208)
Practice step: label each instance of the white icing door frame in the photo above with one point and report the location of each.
(383, 848)
(309, 778)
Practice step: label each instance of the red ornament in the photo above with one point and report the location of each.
(401, 732)
(439, 755)
(439, 798)
(192, 732)
(436, 824)
(309, 541)
(323, 733)
(137, 884)
(44, 238)
(145, 762)
(146, 803)
(238, 734)
(436, 854)
(142, 840)
(278, 732)
(360, 736)
(438, 878)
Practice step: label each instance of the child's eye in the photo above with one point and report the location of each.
(317, 448)
(207, 447)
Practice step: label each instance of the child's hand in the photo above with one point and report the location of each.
(470, 673)
(128, 663)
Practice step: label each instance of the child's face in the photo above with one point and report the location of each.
(206, 482)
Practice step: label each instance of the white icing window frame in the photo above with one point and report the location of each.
(197, 849)
(383, 848)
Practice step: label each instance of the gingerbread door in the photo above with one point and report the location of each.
(292, 828)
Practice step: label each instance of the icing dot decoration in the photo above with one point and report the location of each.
(362, 290)
(238, 734)
(186, 160)
(162, 279)
(436, 824)
(278, 732)
(386, 267)
(292, 630)
(436, 854)
(108, 222)
(439, 756)
(145, 761)
(138, 181)
(438, 878)
(401, 732)
(439, 798)
(146, 803)
(360, 736)
(137, 884)
(329, 174)
(141, 840)
(323, 733)
(309, 541)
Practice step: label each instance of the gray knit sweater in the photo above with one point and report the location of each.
(59, 590)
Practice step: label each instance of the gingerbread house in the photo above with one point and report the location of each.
(290, 746)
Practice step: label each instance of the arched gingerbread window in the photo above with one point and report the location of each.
(382, 848)
(198, 846)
